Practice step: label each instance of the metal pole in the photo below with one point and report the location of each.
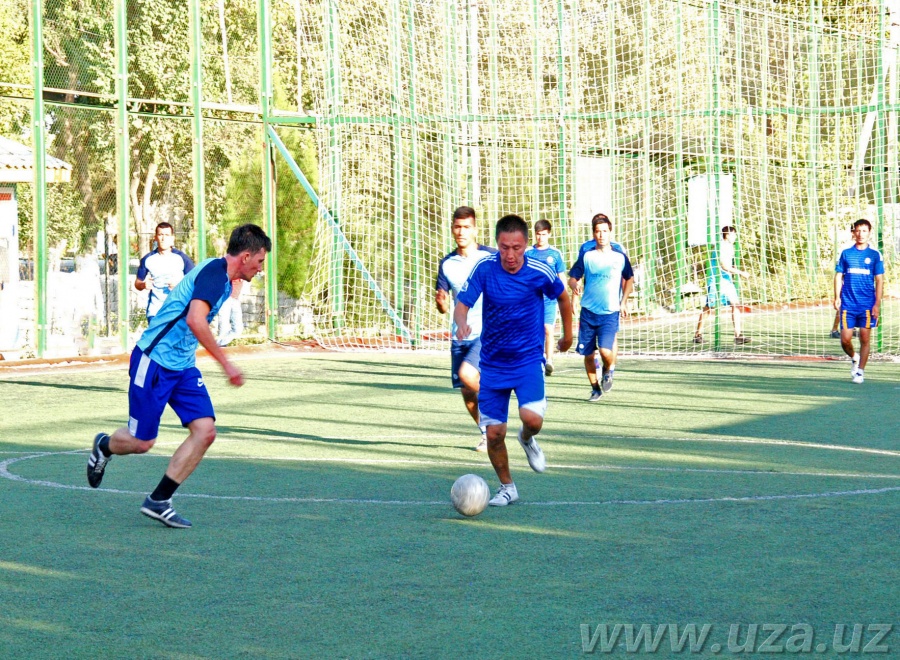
(681, 266)
(397, 160)
(495, 109)
(538, 85)
(197, 129)
(474, 106)
(334, 108)
(416, 321)
(269, 200)
(563, 194)
(123, 167)
(40, 177)
(812, 164)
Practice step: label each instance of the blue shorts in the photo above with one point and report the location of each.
(498, 384)
(725, 297)
(550, 311)
(153, 386)
(861, 319)
(463, 351)
(596, 330)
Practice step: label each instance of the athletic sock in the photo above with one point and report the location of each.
(103, 446)
(595, 386)
(164, 490)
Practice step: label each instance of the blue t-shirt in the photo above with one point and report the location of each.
(168, 340)
(604, 273)
(513, 309)
(166, 269)
(859, 268)
(453, 271)
(550, 256)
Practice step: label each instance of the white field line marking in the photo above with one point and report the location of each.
(6, 474)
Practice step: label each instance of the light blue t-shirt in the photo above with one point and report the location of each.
(167, 269)
(453, 271)
(513, 310)
(603, 272)
(168, 340)
(550, 256)
(859, 268)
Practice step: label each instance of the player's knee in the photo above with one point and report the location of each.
(144, 446)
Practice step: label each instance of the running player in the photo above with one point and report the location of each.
(453, 271)
(163, 371)
(858, 285)
(608, 281)
(512, 287)
(543, 251)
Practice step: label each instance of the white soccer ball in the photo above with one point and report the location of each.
(470, 494)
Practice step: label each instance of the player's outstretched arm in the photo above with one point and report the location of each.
(627, 288)
(565, 313)
(442, 300)
(838, 284)
(196, 321)
(460, 317)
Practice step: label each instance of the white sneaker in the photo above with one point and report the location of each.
(482, 446)
(507, 494)
(854, 367)
(858, 377)
(534, 454)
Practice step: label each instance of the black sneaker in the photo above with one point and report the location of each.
(548, 369)
(96, 464)
(595, 395)
(741, 339)
(164, 513)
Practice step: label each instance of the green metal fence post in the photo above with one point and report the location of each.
(563, 192)
(537, 90)
(123, 166)
(416, 284)
(269, 206)
(397, 160)
(197, 128)
(40, 177)
(812, 163)
(334, 108)
(681, 266)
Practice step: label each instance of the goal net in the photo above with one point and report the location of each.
(674, 117)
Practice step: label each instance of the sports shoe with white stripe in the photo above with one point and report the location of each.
(164, 513)
(96, 464)
(507, 494)
(858, 377)
(534, 454)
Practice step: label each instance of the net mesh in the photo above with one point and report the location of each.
(674, 117)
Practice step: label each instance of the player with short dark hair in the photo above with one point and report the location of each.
(163, 371)
(453, 271)
(543, 251)
(858, 286)
(608, 281)
(512, 287)
(720, 290)
(162, 269)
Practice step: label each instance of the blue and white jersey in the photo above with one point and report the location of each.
(169, 341)
(550, 256)
(453, 271)
(604, 273)
(577, 270)
(513, 309)
(167, 269)
(859, 268)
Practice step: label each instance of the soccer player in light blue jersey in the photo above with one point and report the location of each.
(161, 270)
(608, 281)
(453, 271)
(163, 372)
(512, 287)
(720, 289)
(543, 251)
(858, 285)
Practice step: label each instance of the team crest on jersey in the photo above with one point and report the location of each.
(868, 261)
(551, 260)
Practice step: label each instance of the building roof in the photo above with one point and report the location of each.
(17, 164)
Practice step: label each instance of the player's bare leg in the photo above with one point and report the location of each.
(471, 383)
(121, 443)
(865, 335)
(496, 437)
(548, 349)
(698, 333)
(186, 458)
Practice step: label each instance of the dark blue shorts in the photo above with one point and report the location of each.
(863, 319)
(596, 330)
(153, 386)
(497, 385)
(463, 351)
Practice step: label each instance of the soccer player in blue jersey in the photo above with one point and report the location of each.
(720, 290)
(587, 246)
(512, 287)
(163, 372)
(858, 285)
(162, 269)
(453, 271)
(608, 281)
(543, 251)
